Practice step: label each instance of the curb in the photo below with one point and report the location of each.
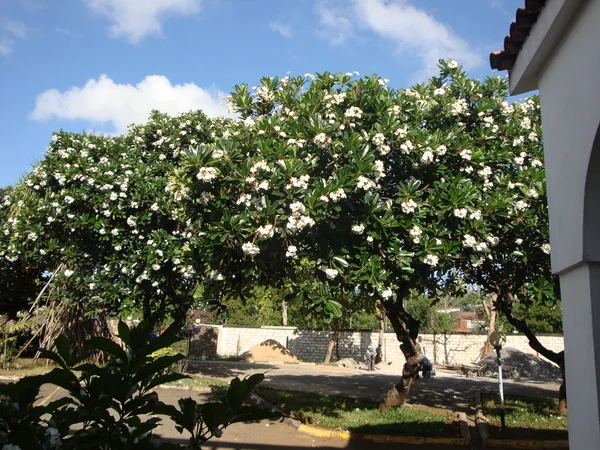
(379, 438)
(482, 428)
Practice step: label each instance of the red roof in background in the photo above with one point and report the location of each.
(519, 30)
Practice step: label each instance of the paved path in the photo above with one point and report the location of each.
(448, 390)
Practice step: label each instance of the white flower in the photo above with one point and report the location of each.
(321, 139)
(154, 207)
(244, 199)
(407, 147)
(68, 273)
(298, 223)
(102, 231)
(441, 150)
(461, 213)
(469, 241)
(32, 236)
(519, 160)
(415, 232)
(379, 139)
(250, 249)
(358, 229)
(331, 273)
(466, 154)
(291, 252)
(207, 174)
(519, 241)
(475, 215)
(353, 111)
(485, 172)
(409, 206)
(452, 64)
(69, 200)
(335, 196)
(369, 239)
(432, 260)
(493, 240)
(401, 132)
(532, 193)
(536, 163)
(216, 275)
(521, 205)
(155, 266)
(427, 157)
(92, 286)
(131, 221)
(532, 136)
(386, 294)
(459, 106)
(365, 183)
(439, 91)
(546, 248)
(481, 246)
(297, 209)
(265, 231)
(114, 196)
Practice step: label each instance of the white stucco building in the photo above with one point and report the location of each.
(554, 46)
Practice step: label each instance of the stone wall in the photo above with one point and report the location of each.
(311, 345)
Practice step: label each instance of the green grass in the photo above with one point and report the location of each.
(198, 382)
(361, 417)
(27, 366)
(528, 416)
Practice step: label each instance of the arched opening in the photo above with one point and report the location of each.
(591, 214)
(591, 248)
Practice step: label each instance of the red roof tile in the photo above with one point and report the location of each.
(519, 30)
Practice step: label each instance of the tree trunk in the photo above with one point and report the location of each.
(407, 330)
(490, 312)
(332, 340)
(381, 316)
(535, 344)
(284, 312)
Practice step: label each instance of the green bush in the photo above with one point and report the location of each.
(105, 405)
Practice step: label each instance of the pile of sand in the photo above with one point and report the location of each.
(348, 362)
(517, 364)
(269, 350)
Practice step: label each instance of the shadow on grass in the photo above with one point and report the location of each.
(362, 417)
(525, 417)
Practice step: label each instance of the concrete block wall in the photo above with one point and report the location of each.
(311, 345)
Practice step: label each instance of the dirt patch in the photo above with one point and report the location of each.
(517, 364)
(269, 350)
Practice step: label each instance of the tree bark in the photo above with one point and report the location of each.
(490, 312)
(334, 336)
(284, 313)
(381, 316)
(535, 344)
(407, 330)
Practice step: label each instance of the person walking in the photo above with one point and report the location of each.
(370, 358)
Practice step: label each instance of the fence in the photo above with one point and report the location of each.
(311, 345)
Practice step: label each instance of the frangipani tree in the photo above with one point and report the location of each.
(100, 206)
(383, 190)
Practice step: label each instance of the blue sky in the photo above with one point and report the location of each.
(97, 65)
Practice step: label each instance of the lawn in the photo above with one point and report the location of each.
(362, 417)
(27, 366)
(525, 417)
(198, 382)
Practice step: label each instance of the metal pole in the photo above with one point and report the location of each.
(501, 388)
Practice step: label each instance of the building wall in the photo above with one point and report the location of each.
(310, 345)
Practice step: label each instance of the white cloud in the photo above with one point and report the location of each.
(335, 21)
(136, 19)
(413, 30)
(282, 28)
(103, 101)
(17, 29)
(10, 29)
(6, 46)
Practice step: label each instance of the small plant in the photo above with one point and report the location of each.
(104, 406)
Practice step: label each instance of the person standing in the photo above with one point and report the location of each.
(370, 358)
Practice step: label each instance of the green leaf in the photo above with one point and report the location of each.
(108, 346)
